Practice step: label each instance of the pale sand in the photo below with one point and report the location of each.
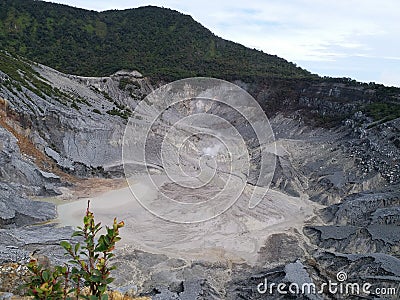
(236, 235)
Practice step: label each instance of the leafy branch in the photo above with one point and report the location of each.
(89, 265)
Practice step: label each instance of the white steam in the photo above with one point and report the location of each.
(212, 151)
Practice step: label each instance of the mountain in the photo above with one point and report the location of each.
(335, 189)
(163, 45)
(157, 41)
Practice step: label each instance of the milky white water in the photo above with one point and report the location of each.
(236, 235)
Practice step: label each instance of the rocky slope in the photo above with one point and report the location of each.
(58, 129)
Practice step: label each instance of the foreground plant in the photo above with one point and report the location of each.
(89, 265)
(45, 283)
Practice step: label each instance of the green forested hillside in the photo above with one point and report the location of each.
(155, 41)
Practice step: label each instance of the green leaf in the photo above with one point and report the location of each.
(86, 220)
(109, 280)
(65, 245)
(83, 253)
(101, 248)
(77, 248)
(110, 231)
(58, 269)
(104, 297)
(46, 275)
(77, 233)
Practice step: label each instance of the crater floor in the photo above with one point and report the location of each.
(235, 235)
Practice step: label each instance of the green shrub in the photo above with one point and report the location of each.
(88, 266)
(47, 284)
(383, 111)
(123, 83)
(125, 113)
(76, 106)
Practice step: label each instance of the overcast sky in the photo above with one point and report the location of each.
(345, 38)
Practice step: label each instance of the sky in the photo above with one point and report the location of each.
(342, 38)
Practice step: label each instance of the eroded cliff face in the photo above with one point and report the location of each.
(79, 123)
(57, 129)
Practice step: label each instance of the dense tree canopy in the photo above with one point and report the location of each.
(155, 41)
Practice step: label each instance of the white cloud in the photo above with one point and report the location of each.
(303, 31)
(390, 78)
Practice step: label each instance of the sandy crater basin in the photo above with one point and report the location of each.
(235, 235)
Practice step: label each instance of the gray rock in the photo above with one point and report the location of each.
(335, 232)
(130, 290)
(19, 211)
(386, 233)
(296, 273)
(279, 249)
(17, 244)
(6, 296)
(61, 161)
(18, 169)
